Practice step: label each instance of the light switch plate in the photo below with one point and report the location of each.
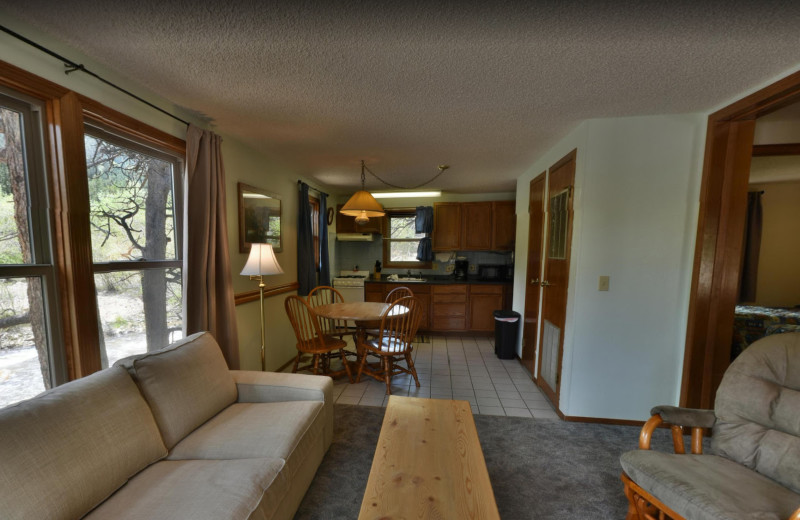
(450, 268)
(473, 268)
(603, 283)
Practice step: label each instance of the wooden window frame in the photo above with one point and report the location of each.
(387, 241)
(64, 114)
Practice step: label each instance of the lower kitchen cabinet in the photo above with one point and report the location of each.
(483, 301)
(450, 307)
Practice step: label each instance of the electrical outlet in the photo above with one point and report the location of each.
(473, 268)
(450, 268)
(603, 283)
(435, 265)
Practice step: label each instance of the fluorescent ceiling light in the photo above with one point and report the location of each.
(405, 194)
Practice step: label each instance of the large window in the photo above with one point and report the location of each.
(401, 241)
(136, 249)
(28, 362)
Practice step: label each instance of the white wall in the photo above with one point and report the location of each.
(636, 190)
(241, 164)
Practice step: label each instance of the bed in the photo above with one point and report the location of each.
(751, 322)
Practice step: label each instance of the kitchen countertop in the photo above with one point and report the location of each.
(440, 280)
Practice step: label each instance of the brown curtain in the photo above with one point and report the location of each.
(752, 247)
(208, 291)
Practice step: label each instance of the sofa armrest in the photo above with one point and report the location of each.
(270, 387)
(687, 417)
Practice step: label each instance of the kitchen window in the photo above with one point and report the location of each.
(401, 241)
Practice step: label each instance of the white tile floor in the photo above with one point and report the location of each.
(463, 368)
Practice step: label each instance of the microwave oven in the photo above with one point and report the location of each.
(495, 272)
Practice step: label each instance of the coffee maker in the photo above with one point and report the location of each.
(461, 269)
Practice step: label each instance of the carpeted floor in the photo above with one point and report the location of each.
(540, 469)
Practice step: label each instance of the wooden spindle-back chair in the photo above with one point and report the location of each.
(393, 343)
(394, 295)
(323, 295)
(312, 340)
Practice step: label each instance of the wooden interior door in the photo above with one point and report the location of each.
(556, 275)
(530, 322)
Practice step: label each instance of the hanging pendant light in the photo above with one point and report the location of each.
(362, 205)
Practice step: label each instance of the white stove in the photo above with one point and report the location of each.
(349, 279)
(351, 285)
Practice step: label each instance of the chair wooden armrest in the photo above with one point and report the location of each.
(677, 419)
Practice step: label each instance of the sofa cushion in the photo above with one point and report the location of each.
(185, 384)
(241, 489)
(709, 487)
(66, 450)
(758, 409)
(286, 430)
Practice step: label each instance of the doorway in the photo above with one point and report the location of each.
(530, 322)
(720, 240)
(555, 277)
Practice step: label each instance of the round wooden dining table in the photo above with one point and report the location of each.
(363, 313)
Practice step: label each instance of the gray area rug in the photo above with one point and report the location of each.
(539, 469)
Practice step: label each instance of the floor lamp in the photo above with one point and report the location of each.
(260, 263)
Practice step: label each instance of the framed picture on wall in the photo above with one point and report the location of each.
(259, 218)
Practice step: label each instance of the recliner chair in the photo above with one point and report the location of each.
(753, 471)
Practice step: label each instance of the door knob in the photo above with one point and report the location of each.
(546, 284)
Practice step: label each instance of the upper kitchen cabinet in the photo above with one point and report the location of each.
(446, 226)
(474, 226)
(345, 224)
(504, 229)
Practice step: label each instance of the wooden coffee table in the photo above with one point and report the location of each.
(428, 464)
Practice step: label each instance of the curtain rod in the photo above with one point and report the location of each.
(313, 188)
(72, 67)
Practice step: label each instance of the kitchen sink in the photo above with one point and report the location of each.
(411, 279)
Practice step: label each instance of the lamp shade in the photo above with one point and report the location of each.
(362, 204)
(261, 261)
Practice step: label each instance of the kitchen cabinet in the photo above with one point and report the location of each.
(446, 226)
(345, 224)
(474, 226)
(449, 307)
(483, 301)
(504, 229)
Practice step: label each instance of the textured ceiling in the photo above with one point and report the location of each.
(486, 87)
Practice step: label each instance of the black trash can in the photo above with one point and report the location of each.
(506, 328)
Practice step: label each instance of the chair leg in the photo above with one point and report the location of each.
(361, 361)
(296, 362)
(316, 364)
(387, 374)
(410, 364)
(346, 365)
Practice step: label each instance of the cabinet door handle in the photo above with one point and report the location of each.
(546, 284)
(535, 282)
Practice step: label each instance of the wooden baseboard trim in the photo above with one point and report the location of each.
(275, 290)
(601, 420)
(761, 150)
(285, 365)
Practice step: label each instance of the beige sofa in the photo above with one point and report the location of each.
(171, 434)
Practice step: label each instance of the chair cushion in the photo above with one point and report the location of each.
(199, 490)
(758, 409)
(68, 449)
(387, 345)
(185, 384)
(703, 487)
(284, 430)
